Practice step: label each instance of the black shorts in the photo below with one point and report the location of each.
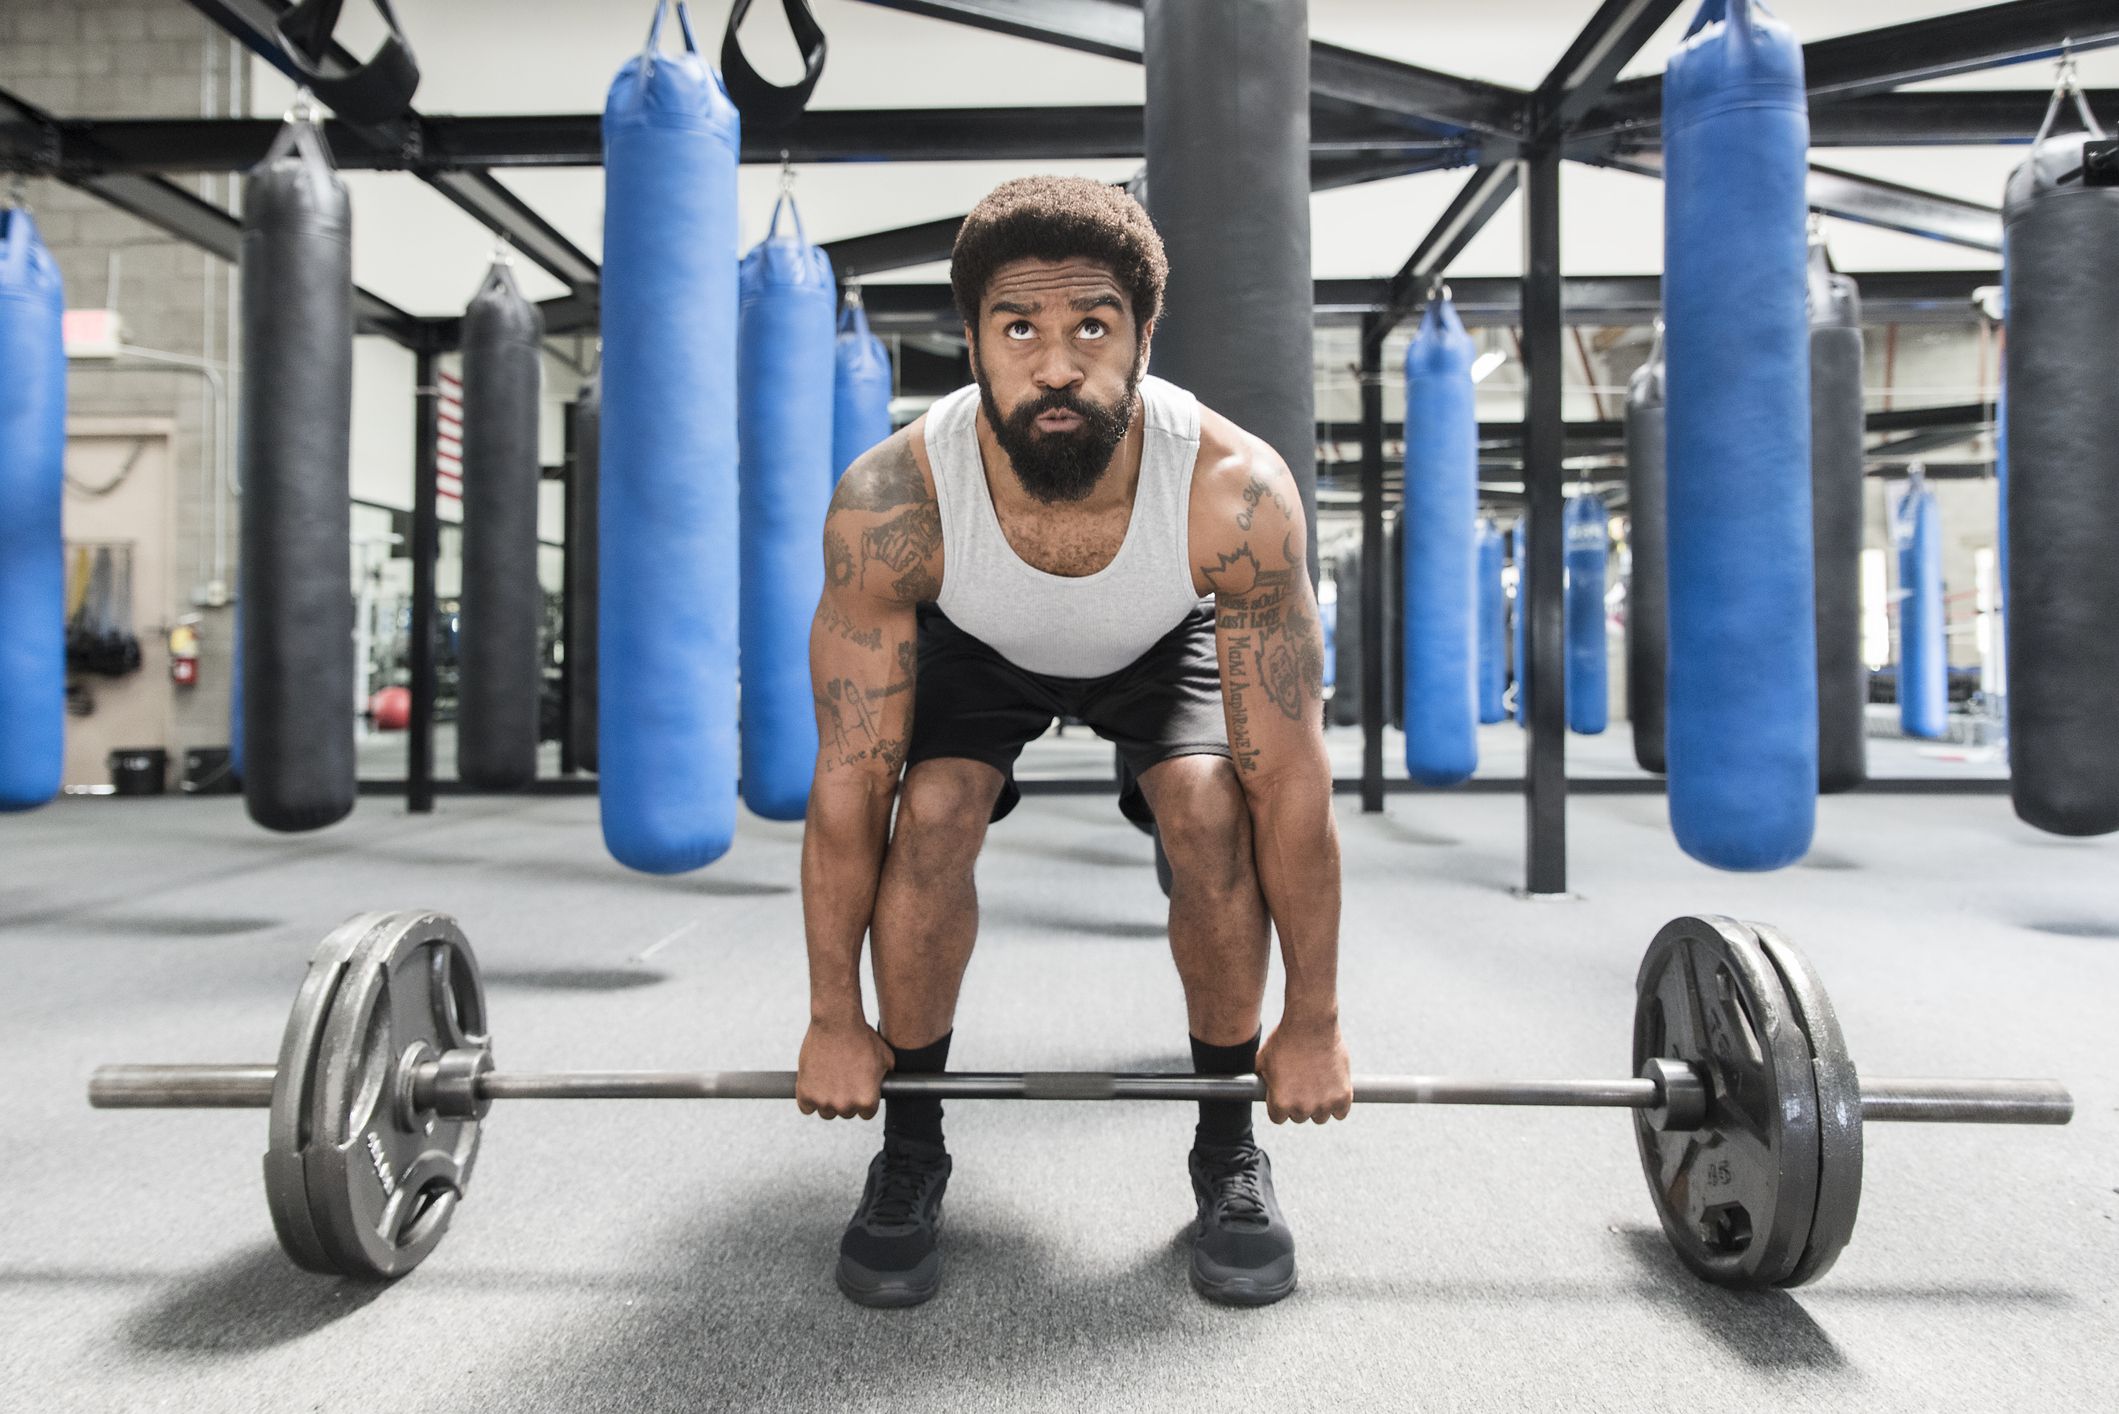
(970, 702)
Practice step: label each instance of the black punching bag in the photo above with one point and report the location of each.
(293, 449)
(1647, 540)
(581, 549)
(1228, 138)
(2061, 229)
(501, 672)
(1836, 425)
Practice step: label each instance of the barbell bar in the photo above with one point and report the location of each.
(1747, 1110)
(249, 1087)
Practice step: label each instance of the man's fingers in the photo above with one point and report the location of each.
(868, 1111)
(805, 1104)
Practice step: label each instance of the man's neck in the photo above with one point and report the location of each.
(1114, 490)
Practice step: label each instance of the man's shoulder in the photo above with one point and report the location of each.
(1231, 460)
(891, 474)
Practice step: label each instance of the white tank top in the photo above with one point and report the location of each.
(1068, 626)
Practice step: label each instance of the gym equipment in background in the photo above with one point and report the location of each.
(1492, 605)
(666, 591)
(1345, 705)
(861, 382)
(2061, 224)
(1648, 544)
(1836, 427)
(1747, 1110)
(583, 493)
(1439, 611)
(32, 550)
(1741, 717)
(293, 450)
(1587, 529)
(1519, 551)
(784, 382)
(1923, 648)
(500, 674)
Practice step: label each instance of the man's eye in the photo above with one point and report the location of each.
(1093, 329)
(1020, 329)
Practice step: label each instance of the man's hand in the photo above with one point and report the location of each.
(1304, 1066)
(841, 1071)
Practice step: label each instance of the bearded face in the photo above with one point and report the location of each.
(1063, 459)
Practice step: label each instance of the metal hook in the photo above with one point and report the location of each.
(853, 294)
(17, 191)
(504, 249)
(303, 109)
(787, 173)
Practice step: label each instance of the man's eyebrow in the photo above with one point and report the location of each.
(1089, 302)
(1003, 306)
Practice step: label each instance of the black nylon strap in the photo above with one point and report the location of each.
(373, 92)
(767, 104)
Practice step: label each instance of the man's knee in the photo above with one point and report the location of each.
(1205, 823)
(943, 807)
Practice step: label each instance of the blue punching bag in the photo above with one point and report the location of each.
(860, 400)
(1519, 659)
(32, 546)
(1742, 688)
(784, 417)
(1441, 587)
(1588, 531)
(666, 610)
(1923, 650)
(1493, 625)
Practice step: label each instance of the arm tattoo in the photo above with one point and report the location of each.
(1255, 490)
(849, 730)
(828, 614)
(883, 480)
(905, 539)
(1275, 648)
(838, 560)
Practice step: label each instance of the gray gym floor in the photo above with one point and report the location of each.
(614, 1256)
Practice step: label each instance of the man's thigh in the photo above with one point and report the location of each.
(971, 704)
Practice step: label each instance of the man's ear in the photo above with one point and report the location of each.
(1147, 337)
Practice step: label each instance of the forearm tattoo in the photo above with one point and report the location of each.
(1273, 655)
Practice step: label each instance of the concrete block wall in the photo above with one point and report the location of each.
(146, 58)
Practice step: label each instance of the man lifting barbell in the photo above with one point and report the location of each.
(1044, 544)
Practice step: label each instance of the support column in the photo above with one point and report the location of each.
(426, 548)
(1228, 144)
(1375, 552)
(1544, 476)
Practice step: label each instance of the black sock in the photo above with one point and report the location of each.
(919, 1119)
(1223, 1122)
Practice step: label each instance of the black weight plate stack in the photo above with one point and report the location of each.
(1838, 1108)
(294, 1094)
(1736, 1196)
(361, 1183)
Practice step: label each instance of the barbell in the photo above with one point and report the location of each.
(1747, 1111)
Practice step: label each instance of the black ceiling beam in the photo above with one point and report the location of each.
(1115, 29)
(1580, 81)
(1878, 60)
(479, 194)
(178, 213)
(1939, 117)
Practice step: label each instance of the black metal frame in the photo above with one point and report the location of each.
(1372, 118)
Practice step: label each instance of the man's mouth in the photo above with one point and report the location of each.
(1058, 420)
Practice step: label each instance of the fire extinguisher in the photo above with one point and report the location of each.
(184, 654)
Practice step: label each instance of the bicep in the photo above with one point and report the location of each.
(1271, 644)
(863, 657)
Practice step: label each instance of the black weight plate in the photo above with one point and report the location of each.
(1736, 1195)
(294, 1093)
(1838, 1108)
(383, 1181)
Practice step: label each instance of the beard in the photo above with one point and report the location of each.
(1059, 467)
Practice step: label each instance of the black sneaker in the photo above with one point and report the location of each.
(889, 1255)
(1243, 1252)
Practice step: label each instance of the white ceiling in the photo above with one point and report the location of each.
(557, 56)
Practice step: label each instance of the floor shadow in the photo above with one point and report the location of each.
(2097, 929)
(248, 1303)
(1767, 1330)
(574, 979)
(1406, 833)
(611, 874)
(1826, 859)
(167, 925)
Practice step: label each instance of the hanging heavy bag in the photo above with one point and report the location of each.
(583, 494)
(2061, 225)
(1648, 539)
(1346, 618)
(784, 387)
(500, 669)
(1588, 537)
(666, 598)
(860, 403)
(1741, 731)
(1923, 653)
(1439, 612)
(1836, 428)
(32, 551)
(293, 445)
(1493, 625)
